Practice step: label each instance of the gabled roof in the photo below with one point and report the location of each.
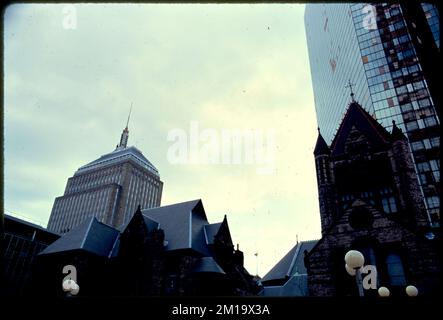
(91, 236)
(292, 263)
(211, 231)
(183, 224)
(206, 265)
(396, 133)
(117, 156)
(149, 222)
(357, 117)
(321, 147)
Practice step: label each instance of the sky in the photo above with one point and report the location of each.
(71, 73)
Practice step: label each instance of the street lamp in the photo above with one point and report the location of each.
(70, 287)
(354, 261)
(411, 291)
(383, 292)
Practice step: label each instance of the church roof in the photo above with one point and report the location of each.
(396, 133)
(184, 225)
(211, 231)
(321, 146)
(359, 118)
(207, 265)
(296, 286)
(292, 263)
(120, 154)
(91, 236)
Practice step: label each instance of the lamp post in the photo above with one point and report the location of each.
(354, 261)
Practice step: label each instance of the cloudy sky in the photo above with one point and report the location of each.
(71, 73)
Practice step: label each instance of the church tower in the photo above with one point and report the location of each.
(370, 201)
(406, 182)
(325, 183)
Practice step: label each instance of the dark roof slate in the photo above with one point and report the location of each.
(292, 263)
(183, 224)
(296, 286)
(207, 265)
(211, 231)
(91, 236)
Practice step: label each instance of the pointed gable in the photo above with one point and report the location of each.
(223, 234)
(396, 133)
(362, 126)
(211, 231)
(183, 224)
(321, 146)
(291, 263)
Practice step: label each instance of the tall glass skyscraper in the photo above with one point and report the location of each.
(389, 53)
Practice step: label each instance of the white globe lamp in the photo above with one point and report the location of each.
(411, 291)
(354, 259)
(383, 292)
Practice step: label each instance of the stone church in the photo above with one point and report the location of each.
(370, 201)
(165, 251)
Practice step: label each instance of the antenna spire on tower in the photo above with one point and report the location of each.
(125, 134)
(129, 116)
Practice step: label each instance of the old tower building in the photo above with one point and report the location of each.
(109, 188)
(370, 200)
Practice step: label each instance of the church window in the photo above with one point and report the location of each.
(395, 270)
(388, 201)
(389, 205)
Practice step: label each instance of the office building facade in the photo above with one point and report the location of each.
(22, 241)
(109, 188)
(386, 54)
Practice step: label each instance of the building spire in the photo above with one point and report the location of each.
(350, 87)
(129, 116)
(125, 134)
